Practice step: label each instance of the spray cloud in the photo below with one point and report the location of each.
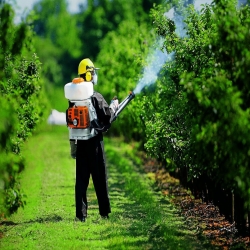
(155, 62)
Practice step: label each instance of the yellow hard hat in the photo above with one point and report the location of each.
(87, 67)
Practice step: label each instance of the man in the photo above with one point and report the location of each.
(90, 158)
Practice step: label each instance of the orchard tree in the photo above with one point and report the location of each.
(199, 122)
(21, 103)
(221, 135)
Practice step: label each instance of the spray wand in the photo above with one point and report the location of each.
(123, 104)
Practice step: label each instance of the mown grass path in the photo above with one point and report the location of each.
(141, 218)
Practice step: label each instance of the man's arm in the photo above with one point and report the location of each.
(104, 112)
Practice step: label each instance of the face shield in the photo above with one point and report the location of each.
(94, 77)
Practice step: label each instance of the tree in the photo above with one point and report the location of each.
(199, 122)
(21, 103)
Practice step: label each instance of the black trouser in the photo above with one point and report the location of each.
(90, 160)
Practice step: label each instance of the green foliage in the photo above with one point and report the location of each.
(49, 55)
(54, 22)
(200, 121)
(100, 17)
(21, 105)
(57, 43)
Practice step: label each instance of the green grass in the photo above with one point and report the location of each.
(141, 217)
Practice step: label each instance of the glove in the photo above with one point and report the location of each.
(73, 147)
(114, 105)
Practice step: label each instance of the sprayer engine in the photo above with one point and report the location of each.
(78, 117)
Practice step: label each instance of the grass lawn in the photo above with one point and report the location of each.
(141, 217)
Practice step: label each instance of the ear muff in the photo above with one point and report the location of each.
(88, 76)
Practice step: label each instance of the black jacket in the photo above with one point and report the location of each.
(103, 111)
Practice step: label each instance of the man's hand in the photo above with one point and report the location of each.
(114, 104)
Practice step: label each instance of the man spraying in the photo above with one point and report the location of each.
(88, 116)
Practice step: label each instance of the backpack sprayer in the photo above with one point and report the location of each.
(81, 117)
(123, 104)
